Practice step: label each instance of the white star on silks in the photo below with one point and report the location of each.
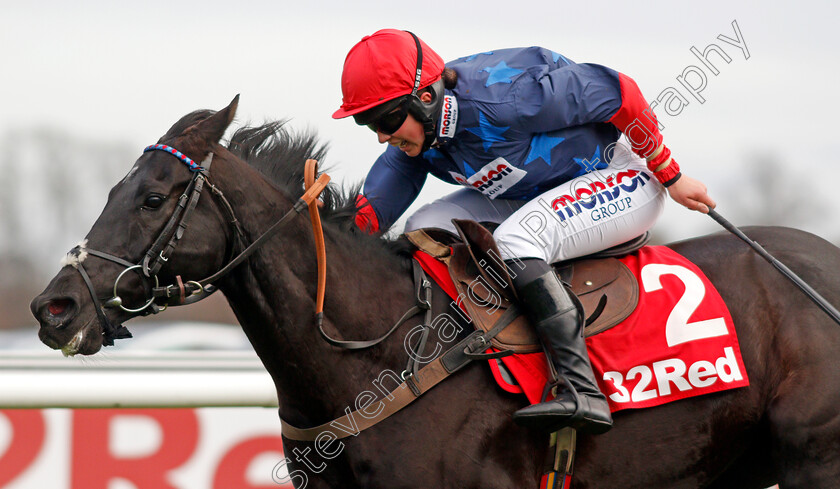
(541, 146)
(488, 133)
(501, 73)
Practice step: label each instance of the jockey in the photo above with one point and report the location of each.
(534, 138)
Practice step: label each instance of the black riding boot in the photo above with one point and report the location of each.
(559, 324)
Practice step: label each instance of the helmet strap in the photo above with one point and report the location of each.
(426, 114)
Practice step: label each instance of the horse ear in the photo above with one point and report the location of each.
(230, 110)
(213, 128)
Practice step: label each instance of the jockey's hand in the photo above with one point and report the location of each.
(692, 194)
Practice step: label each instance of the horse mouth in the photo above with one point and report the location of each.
(84, 341)
(72, 346)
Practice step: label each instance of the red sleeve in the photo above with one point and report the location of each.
(638, 123)
(365, 216)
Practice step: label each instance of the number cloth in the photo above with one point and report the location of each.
(679, 342)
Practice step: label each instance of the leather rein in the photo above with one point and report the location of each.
(182, 293)
(416, 380)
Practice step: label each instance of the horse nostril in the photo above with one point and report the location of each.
(58, 306)
(50, 310)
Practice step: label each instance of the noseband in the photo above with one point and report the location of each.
(182, 293)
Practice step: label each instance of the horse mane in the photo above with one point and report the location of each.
(279, 154)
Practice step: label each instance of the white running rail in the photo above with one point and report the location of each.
(135, 379)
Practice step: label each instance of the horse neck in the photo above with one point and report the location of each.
(273, 296)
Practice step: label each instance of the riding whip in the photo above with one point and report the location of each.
(787, 272)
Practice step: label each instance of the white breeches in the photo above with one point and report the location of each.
(585, 215)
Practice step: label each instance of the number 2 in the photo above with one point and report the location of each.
(677, 328)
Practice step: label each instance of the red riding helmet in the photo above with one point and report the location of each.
(382, 67)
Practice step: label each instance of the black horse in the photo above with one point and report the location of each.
(784, 428)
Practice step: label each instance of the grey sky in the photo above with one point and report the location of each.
(118, 71)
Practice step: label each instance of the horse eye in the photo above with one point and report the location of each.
(153, 201)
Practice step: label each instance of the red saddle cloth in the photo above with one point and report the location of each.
(679, 342)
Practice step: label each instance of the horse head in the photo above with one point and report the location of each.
(130, 250)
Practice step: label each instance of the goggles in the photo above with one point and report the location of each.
(390, 122)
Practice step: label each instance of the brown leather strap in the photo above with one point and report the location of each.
(426, 243)
(414, 386)
(313, 187)
(205, 286)
(181, 288)
(359, 420)
(313, 190)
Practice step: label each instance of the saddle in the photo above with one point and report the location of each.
(606, 288)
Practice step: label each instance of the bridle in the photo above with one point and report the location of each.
(158, 297)
(419, 380)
